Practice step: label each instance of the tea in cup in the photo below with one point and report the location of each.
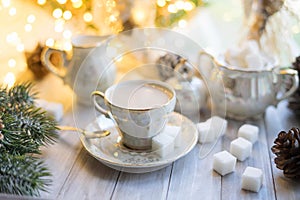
(140, 108)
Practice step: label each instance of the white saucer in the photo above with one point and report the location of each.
(112, 153)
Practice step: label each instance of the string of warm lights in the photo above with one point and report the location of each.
(13, 39)
(65, 13)
(170, 12)
(86, 16)
(83, 12)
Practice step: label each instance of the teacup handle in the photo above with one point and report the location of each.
(97, 106)
(45, 58)
(294, 74)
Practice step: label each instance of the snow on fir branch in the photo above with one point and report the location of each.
(24, 128)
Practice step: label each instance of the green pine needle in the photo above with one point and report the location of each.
(23, 130)
(16, 98)
(23, 175)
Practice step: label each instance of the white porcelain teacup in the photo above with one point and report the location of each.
(139, 107)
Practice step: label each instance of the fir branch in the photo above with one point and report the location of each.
(21, 94)
(23, 175)
(37, 125)
(4, 100)
(25, 131)
(16, 98)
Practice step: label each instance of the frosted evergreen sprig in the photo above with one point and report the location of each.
(24, 128)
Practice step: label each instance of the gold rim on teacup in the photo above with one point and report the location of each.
(170, 93)
(137, 125)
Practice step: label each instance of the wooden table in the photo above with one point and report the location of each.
(78, 175)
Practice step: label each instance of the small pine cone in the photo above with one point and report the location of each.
(287, 149)
(296, 64)
(294, 103)
(171, 63)
(294, 100)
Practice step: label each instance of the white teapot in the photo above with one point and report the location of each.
(88, 69)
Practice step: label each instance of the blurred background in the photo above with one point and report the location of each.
(29, 25)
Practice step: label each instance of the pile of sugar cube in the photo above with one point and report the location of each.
(164, 143)
(247, 55)
(240, 149)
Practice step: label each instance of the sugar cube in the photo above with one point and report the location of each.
(249, 132)
(224, 162)
(235, 62)
(54, 109)
(252, 46)
(232, 56)
(252, 179)
(103, 122)
(174, 132)
(241, 148)
(218, 125)
(232, 52)
(211, 129)
(249, 47)
(254, 61)
(205, 135)
(163, 144)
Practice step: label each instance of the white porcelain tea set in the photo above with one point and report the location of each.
(135, 111)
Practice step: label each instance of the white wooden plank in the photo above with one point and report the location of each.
(147, 186)
(17, 197)
(193, 177)
(67, 163)
(281, 119)
(60, 158)
(231, 184)
(89, 179)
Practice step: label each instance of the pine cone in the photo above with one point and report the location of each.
(294, 100)
(171, 65)
(287, 150)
